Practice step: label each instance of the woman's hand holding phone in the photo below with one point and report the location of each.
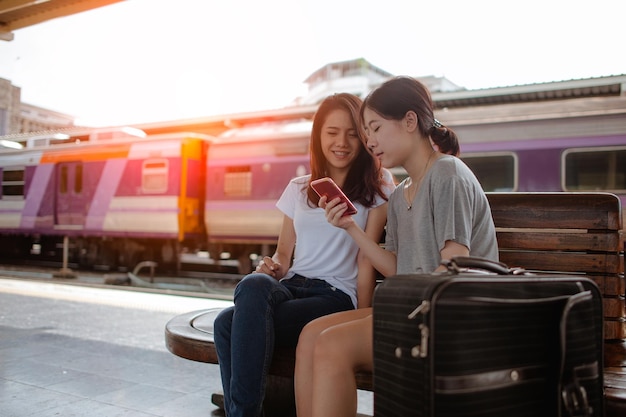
(339, 209)
(326, 187)
(336, 212)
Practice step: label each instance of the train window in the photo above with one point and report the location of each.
(597, 169)
(238, 181)
(13, 183)
(154, 175)
(495, 171)
(63, 179)
(78, 179)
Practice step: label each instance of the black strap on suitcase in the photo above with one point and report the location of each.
(500, 343)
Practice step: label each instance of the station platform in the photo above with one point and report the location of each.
(70, 350)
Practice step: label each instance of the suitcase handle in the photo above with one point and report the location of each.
(460, 264)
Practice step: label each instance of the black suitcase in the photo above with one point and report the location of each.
(463, 343)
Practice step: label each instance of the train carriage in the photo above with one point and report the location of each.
(247, 170)
(119, 201)
(573, 145)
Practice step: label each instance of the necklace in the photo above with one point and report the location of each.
(410, 199)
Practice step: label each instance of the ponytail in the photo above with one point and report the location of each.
(446, 140)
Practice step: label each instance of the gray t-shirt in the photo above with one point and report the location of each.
(450, 205)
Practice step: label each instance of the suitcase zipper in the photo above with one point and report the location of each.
(422, 308)
(421, 350)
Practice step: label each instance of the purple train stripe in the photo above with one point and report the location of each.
(105, 191)
(518, 145)
(41, 181)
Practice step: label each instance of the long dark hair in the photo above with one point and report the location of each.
(395, 97)
(364, 180)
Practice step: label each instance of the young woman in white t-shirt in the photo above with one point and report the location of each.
(317, 268)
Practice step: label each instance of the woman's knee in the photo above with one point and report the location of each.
(329, 347)
(307, 339)
(255, 285)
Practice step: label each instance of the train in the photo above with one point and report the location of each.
(112, 201)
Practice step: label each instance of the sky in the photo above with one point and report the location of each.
(142, 61)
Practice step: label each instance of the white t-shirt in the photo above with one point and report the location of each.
(322, 250)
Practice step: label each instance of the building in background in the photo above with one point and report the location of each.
(34, 119)
(358, 77)
(9, 107)
(17, 117)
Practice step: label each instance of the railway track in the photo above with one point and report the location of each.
(198, 280)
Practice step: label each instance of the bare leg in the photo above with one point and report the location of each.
(303, 373)
(321, 343)
(339, 352)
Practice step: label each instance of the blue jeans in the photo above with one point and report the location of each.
(266, 313)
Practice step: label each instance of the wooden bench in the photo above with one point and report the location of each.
(567, 233)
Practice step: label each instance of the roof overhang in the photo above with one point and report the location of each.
(18, 14)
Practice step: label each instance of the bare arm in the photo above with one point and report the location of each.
(383, 260)
(366, 279)
(280, 262)
(450, 249)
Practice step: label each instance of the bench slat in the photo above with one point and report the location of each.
(576, 262)
(558, 210)
(551, 239)
(614, 329)
(614, 306)
(610, 285)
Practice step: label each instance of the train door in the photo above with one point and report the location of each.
(70, 204)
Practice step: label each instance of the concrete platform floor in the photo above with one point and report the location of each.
(68, 350)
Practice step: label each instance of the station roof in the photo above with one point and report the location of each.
(18, 14)
(613, 85)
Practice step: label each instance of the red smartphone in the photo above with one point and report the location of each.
(327, 187)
